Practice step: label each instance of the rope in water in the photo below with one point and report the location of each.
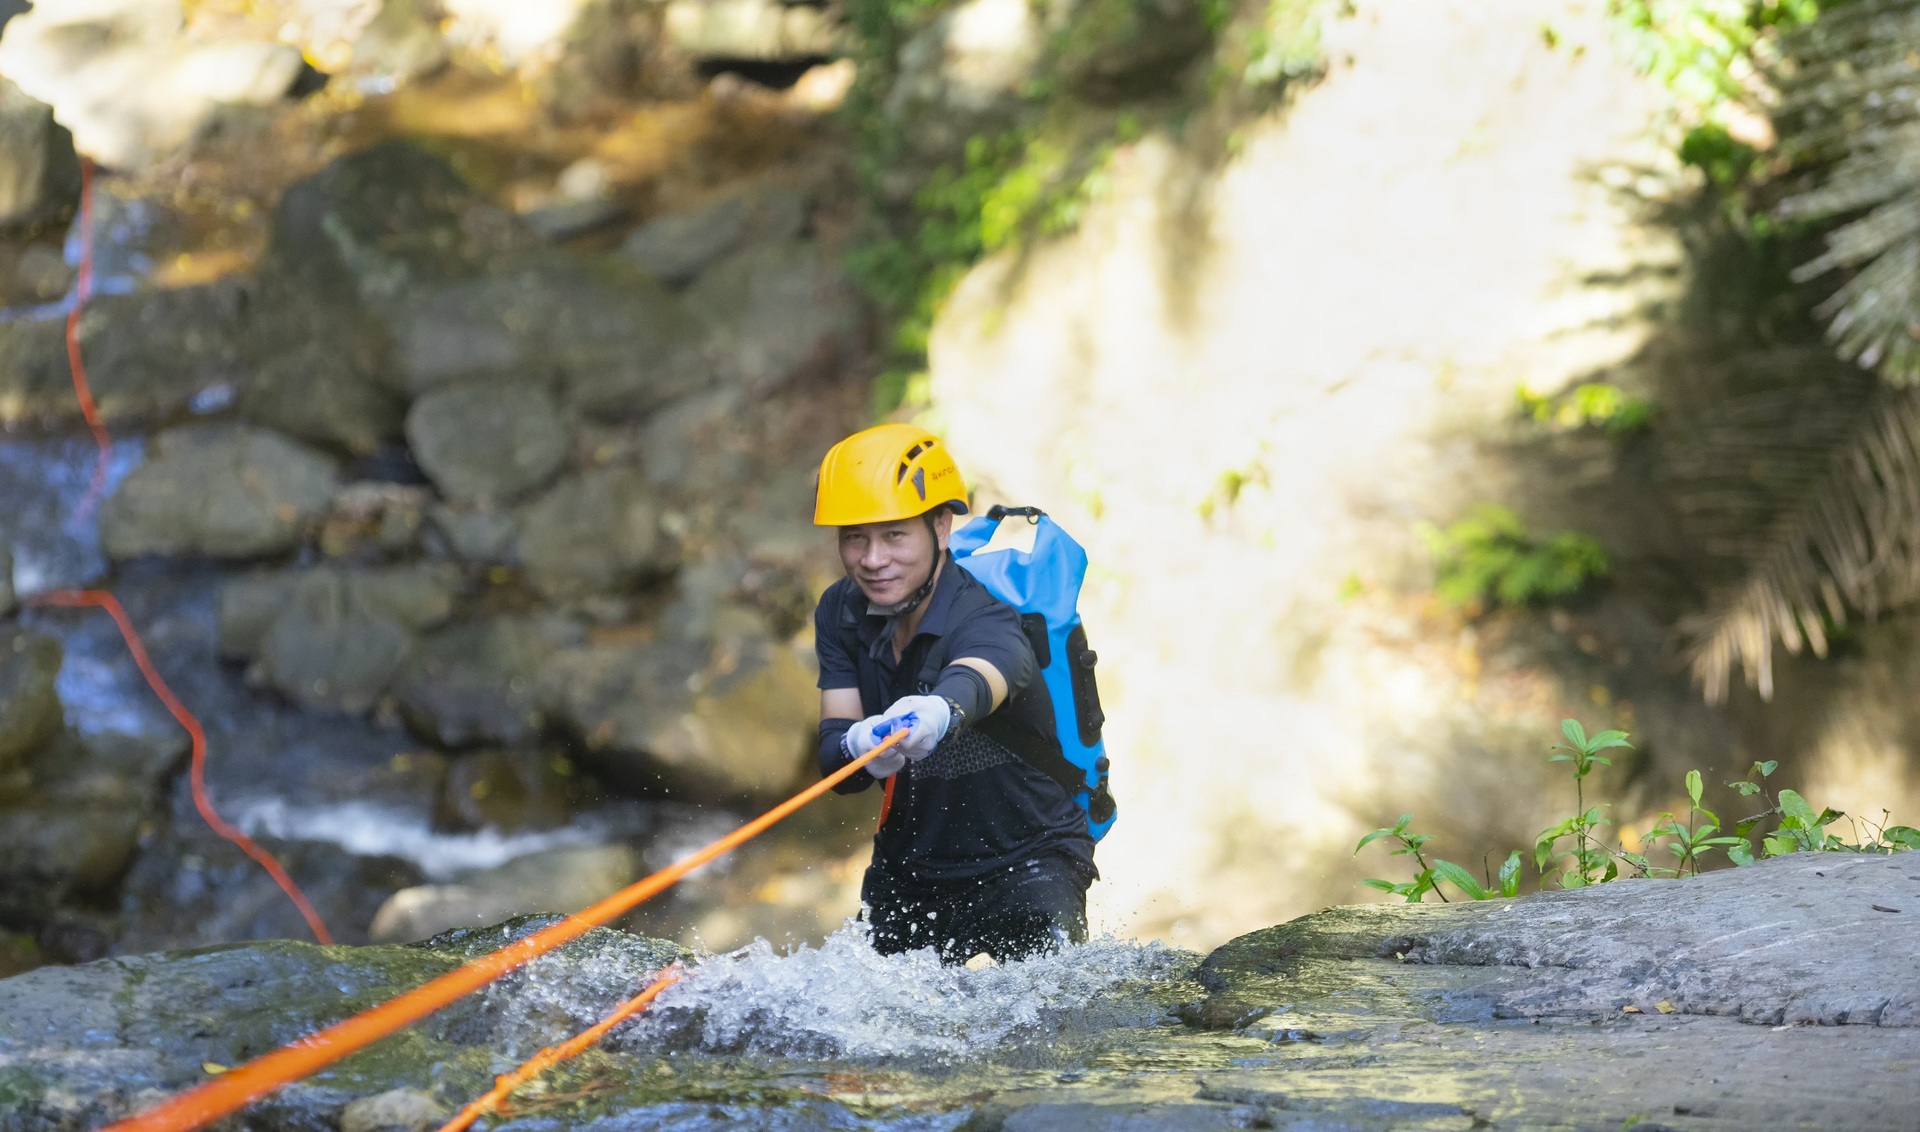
(197, 774)
(101, 599)
(244, 1084)
(505, 1084)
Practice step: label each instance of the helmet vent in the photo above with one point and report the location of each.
(906, 461)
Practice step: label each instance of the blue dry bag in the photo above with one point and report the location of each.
(1027, 561)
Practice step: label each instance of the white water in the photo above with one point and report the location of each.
(843, 1000)
(371, 830)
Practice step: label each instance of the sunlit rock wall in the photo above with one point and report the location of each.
(1326, 321)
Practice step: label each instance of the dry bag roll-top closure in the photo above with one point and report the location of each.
(1025, 559)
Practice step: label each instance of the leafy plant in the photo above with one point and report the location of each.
(1698, 837)
(1488, 556)
(1574, 849)
(1427, 877)
(1591, 861)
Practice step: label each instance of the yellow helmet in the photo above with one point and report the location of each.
(886, 473)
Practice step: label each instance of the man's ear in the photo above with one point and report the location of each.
(943, 527)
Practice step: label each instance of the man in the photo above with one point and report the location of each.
(977, 850)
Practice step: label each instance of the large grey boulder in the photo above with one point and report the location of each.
(39, 173)
(595, 533)
(487, 440)
(475, 683)
(1731, 943)
(331, 638)
(378, 224)
(30, 712)
(127, 78)
(775, 312)
(321, 392)
(220, 491)
(617, 340)
(557, 880)
(147, 354)
(72, 834)
(677, 247)
(732, 719)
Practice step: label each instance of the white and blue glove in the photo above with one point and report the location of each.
(929, 717)
(861, 738)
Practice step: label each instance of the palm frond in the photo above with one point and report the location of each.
(1852, 544)
(1850, 109)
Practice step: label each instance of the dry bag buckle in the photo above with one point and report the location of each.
(1033, 515)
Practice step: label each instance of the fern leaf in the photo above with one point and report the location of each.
(1853, 544)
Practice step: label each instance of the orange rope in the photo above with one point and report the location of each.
(82, 390)
(505, 1084)
(240, 1086)
(197, 776)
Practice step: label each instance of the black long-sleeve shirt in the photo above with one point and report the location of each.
(973, 806)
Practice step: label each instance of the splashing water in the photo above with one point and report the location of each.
(846, 1001)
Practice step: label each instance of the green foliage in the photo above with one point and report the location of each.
(1283, 44)
(1595, 404)
(1587, 860)
(1573, 849)
(1704, 50)
(1427, 877)
(1724, 159)
(1488, 556)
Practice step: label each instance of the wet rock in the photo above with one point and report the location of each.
(593, 533)
(147, 355)
(396, 1110)
(30, 712)
(6, 582)
(1690, 943)
(188, 888)
(39, 174)
(129, 81)
(618, 342)
(53, 855)
(749, 29)
(487, 441)
(521, 789)
(558, 880)
(377, 224)
(331, 638)
(677, 247)
(476, 683)
(479, 534)
(738, 727)
(320, 392)
(221, 491)
(775, 312)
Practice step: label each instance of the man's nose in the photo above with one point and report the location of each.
(875, 556)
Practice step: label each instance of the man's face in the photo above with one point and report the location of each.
(888, 561)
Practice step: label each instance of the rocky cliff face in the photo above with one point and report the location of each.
(497, 497)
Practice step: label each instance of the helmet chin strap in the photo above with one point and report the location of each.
(911, 601)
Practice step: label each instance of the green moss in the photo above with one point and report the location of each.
(19, 1088)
